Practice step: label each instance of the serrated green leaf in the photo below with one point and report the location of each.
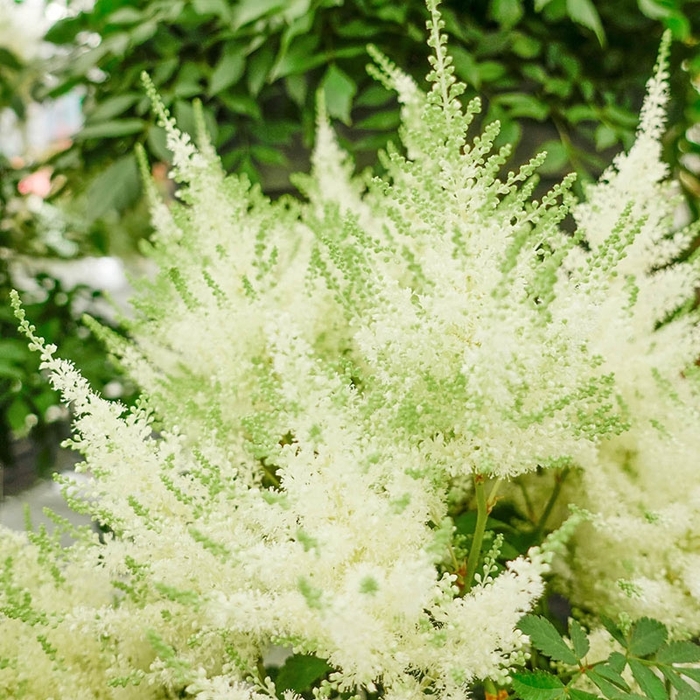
(583, 12)
(299, 672)
(678, 653)
(579, 639)
(671, 675)
(646, 636)
(539, 685)
(649, 682)
(617, 661)
(576, 694)
(610, 690)
(692, 673)
(614, 630)
(545, 638)
(339, 89)
(687, 694)
(613, 675)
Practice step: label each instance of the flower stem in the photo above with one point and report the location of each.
(558, 481)
(482, 514)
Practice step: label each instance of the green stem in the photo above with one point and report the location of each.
(559, 480)
(482, 515)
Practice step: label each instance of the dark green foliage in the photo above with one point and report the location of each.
(566, 74)
(24, 391)
(300, 672)
(654, 663)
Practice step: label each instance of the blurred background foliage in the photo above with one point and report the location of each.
(567, 76)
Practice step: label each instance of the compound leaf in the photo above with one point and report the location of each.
(539, 685)
(579, 640)
(545, 638)
(649, 682)
(678, 653)
(646, 636)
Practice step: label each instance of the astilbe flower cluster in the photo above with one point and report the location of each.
(328, 381)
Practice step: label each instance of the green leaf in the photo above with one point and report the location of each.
(605, 137)
(112, 107)
(646, 636)
(614, 630)
(375, 95)
(522, 105)
(358, 29)
(690, 672)
(579, 639)
(242, 104)
(611, 674)
(617, 662)
(545, 638)
(125, 15)
(115, 188)
(383, 121)
(227, 71)
(297, 88)
(110, 129)
(539, 685)
(65, 30)
(576, 694)
(649, 682)
(675, 680)
(9, 370)
(213, 7)
(678, 653)
(259, 65)
(525, 46)
(300, 672)
(609, 689)
(299, 58)
(157, 143)
(490, 71)
(507, 12)
(12, 350)
(654, 9)
(583, 12)
(142, 32)
(339, 89)
(465, 66)
(268, 155)
(17, 414)
(557, 159)
(246, 11)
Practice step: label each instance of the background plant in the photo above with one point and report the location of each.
(34, 232)
(564, 74)
(337, 390)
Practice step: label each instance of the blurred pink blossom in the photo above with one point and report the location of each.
(38, 183)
